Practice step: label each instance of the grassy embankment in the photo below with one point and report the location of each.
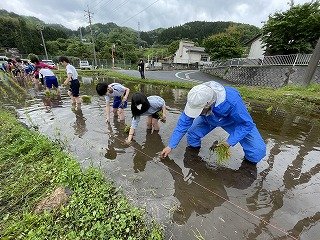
(304, 100)
(31, 167)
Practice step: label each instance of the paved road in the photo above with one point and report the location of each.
(185, 75)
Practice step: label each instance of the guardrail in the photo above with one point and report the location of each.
(277, 60)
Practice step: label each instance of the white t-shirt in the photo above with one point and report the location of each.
(156, 104)
(118, 91)
(45, 72)
(71, 70)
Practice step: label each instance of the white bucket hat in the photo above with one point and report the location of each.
(199, 97)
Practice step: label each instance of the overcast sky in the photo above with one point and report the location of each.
(151, 14)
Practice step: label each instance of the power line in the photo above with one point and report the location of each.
(93, 7)
(113, 10)
(120, 5)
(140, 12)
(101, 7)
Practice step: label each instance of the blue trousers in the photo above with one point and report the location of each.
(253, 145)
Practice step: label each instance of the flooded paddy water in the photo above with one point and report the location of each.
(191, 196)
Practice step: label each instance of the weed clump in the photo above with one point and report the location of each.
(86, 99)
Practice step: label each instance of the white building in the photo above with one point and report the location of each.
(257, 49)
(187, 53)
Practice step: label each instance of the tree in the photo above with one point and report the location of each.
(80, 50)
(293, 31)
(173, 47)
(223, 46)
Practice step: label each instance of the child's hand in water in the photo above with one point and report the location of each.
(127, 141)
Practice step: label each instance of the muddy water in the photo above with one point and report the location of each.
(189, 194)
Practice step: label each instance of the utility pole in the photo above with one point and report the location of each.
(113, 52)
(139, 35)
(40, 28)
(314, 60)
(89, 15)
(80, 34)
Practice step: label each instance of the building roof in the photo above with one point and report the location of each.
(253, 39)
(195, 49)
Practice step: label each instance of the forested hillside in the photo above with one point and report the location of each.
(22, 32)
(197, 31)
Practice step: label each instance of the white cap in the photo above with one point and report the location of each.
(199, 97)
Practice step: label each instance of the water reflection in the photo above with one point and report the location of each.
(116, 138)
(203, 188)
(295, 138)
(148, 151)
(79, 125)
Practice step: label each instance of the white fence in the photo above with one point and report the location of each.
(278, 60)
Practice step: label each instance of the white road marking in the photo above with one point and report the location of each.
(187, 77)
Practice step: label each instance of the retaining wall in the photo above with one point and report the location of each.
(271, 76)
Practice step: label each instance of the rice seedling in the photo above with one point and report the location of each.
(15, 85)
(269, 110)
(198, 235)
(86, 99)
(137, 87)
(222, 152)
(127, 128)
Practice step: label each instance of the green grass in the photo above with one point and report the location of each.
(31, 167)
(303, 99)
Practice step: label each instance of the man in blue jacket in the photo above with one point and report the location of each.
(210, 105)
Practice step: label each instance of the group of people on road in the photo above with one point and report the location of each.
(209, 105)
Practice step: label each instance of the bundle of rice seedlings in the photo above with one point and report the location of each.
(127, 128)
(86, 99)
(160, 115)
(50, 94)
(47, 93)
(222, 152)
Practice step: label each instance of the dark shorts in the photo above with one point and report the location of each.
(51, 80)
(16, 72)
(156, 115)
(74, 87)
(117, 103)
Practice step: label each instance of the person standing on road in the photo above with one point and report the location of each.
(210, 105)
(72, 80)
(141, 68)
(120, 94)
